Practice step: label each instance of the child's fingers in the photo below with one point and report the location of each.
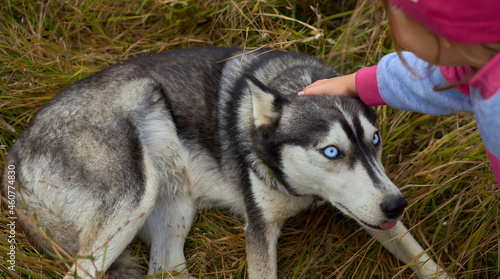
(319, 87)
(337, 86)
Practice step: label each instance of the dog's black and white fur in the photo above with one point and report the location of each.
(137, 148)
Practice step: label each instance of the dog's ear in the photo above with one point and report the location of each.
(266, 102)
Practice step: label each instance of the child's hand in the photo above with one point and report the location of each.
(337, 86)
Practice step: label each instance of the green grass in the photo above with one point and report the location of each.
(438, 161)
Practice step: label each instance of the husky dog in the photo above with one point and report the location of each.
(137, 148)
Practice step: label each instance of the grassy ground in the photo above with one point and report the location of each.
(438, 161)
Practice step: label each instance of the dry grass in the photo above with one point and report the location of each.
(439, 161)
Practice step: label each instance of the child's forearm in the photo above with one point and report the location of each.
(399, 87)
(367, 86)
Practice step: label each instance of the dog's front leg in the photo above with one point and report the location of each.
(166, 229)
(267, 211)
(265, 216)
(261, 240)
(401, 244)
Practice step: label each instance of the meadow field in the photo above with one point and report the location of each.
(439, 162)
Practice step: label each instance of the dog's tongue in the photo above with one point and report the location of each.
(388, 225)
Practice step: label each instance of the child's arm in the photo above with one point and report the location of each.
(391, 83)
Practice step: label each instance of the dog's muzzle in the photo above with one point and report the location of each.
(394, 207)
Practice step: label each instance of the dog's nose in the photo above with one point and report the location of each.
(393, 207)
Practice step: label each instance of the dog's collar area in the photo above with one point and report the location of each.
(275, 182)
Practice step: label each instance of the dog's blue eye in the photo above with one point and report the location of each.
(331, 152)
(376, 139)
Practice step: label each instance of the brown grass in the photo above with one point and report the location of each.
(439, 161)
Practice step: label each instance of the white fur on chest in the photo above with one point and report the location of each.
(276, 206)
(209, 187)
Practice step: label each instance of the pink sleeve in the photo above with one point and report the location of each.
(495, 164)
(367, 86)
(456, 74)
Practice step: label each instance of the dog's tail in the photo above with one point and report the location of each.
(125, 267)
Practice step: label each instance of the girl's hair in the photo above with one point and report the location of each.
(438, 88)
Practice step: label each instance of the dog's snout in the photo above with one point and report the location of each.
(393, 207)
